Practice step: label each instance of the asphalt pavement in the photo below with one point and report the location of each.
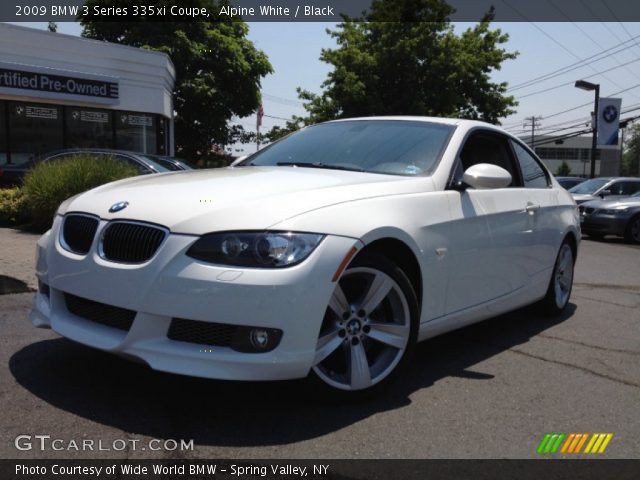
(491, 390)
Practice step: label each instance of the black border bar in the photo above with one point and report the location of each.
(323, 10)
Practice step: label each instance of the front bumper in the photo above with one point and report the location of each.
(602, 224)
(172, 285)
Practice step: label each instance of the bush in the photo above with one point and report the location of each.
(50, 183)
(12, 206)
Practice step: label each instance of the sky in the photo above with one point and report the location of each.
(294, 50)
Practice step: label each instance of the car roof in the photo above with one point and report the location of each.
(413, 118)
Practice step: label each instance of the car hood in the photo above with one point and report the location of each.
(201, 201)
(618, 202)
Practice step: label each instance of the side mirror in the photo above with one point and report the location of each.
(486, 175)
(604, 193)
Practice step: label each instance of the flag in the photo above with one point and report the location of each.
(259, 117)
(608, 121)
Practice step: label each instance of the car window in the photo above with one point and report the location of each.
(398, 147)
(624, 188)
(590, 186)
(487, 147)
(533, 175)
(141, 168)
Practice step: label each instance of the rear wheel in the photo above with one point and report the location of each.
(561, 283)
(632, 233)
(369, 327)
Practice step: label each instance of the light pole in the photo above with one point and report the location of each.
(584, 85)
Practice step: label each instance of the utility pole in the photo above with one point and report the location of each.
(532, 122)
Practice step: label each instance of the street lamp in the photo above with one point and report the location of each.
(584, 85)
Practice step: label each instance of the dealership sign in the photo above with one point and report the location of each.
(49, 83)
(608, 121)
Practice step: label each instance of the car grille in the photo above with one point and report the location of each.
(202, 333)
(107, 315)
(129, 242)
(78, 232)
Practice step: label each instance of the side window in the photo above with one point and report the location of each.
(533, 174)
(484, 147)
(624, 188)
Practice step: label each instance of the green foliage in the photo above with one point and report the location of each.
(631, 154)
(564, 169)
(405, 59)
(12, 207)
(218, 70)
(50, 183)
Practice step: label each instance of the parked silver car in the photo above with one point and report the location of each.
(620, 216)
(605, 187)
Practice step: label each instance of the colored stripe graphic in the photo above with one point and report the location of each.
(550, 443)
(573, 442)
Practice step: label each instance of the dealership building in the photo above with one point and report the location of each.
(576, 152)
(61, 91)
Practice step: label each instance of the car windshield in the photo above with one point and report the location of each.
(398, 147)
(590, 186)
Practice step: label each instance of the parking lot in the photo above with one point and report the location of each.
(491, 390)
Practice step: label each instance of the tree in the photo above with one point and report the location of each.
(218, 70)
(631, 153)
(564, 169)
(404, 58)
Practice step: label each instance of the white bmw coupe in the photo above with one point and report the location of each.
(330, 252)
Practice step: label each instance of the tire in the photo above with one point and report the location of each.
(369, 329)
(561, 283)
(632, 232)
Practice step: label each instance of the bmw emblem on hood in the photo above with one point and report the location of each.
(116, 207)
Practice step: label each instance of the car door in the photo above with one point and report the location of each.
(490, 230)
(543, 210)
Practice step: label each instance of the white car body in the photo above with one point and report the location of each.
(478, 253)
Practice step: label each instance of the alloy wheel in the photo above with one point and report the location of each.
(365, 331)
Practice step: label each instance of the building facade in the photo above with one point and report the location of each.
(61, 91)
(576, 151)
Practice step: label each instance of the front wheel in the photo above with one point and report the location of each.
(561, 283)
(632, 233)
(369, 327)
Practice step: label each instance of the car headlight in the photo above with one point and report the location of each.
(255, 249)
(613, 211)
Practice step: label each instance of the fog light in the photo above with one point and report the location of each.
(259, 338)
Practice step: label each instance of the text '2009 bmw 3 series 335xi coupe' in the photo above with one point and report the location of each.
(328, 253)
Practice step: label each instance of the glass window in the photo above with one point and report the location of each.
(3, 134)
(624, 188)
(136, 132)
(590, 186)
(88, 128)
(162, 136)
(484, 147)
(395, 147)
(35, 129)
(532, 173)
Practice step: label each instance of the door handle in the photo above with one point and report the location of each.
(532, 208)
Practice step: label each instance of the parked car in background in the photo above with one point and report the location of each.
(569, 182)
(171, 163)
(620, 217)
(13, 174)
(605, 187)
(330, 252)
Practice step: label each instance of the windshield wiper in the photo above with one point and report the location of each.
(319, 165)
